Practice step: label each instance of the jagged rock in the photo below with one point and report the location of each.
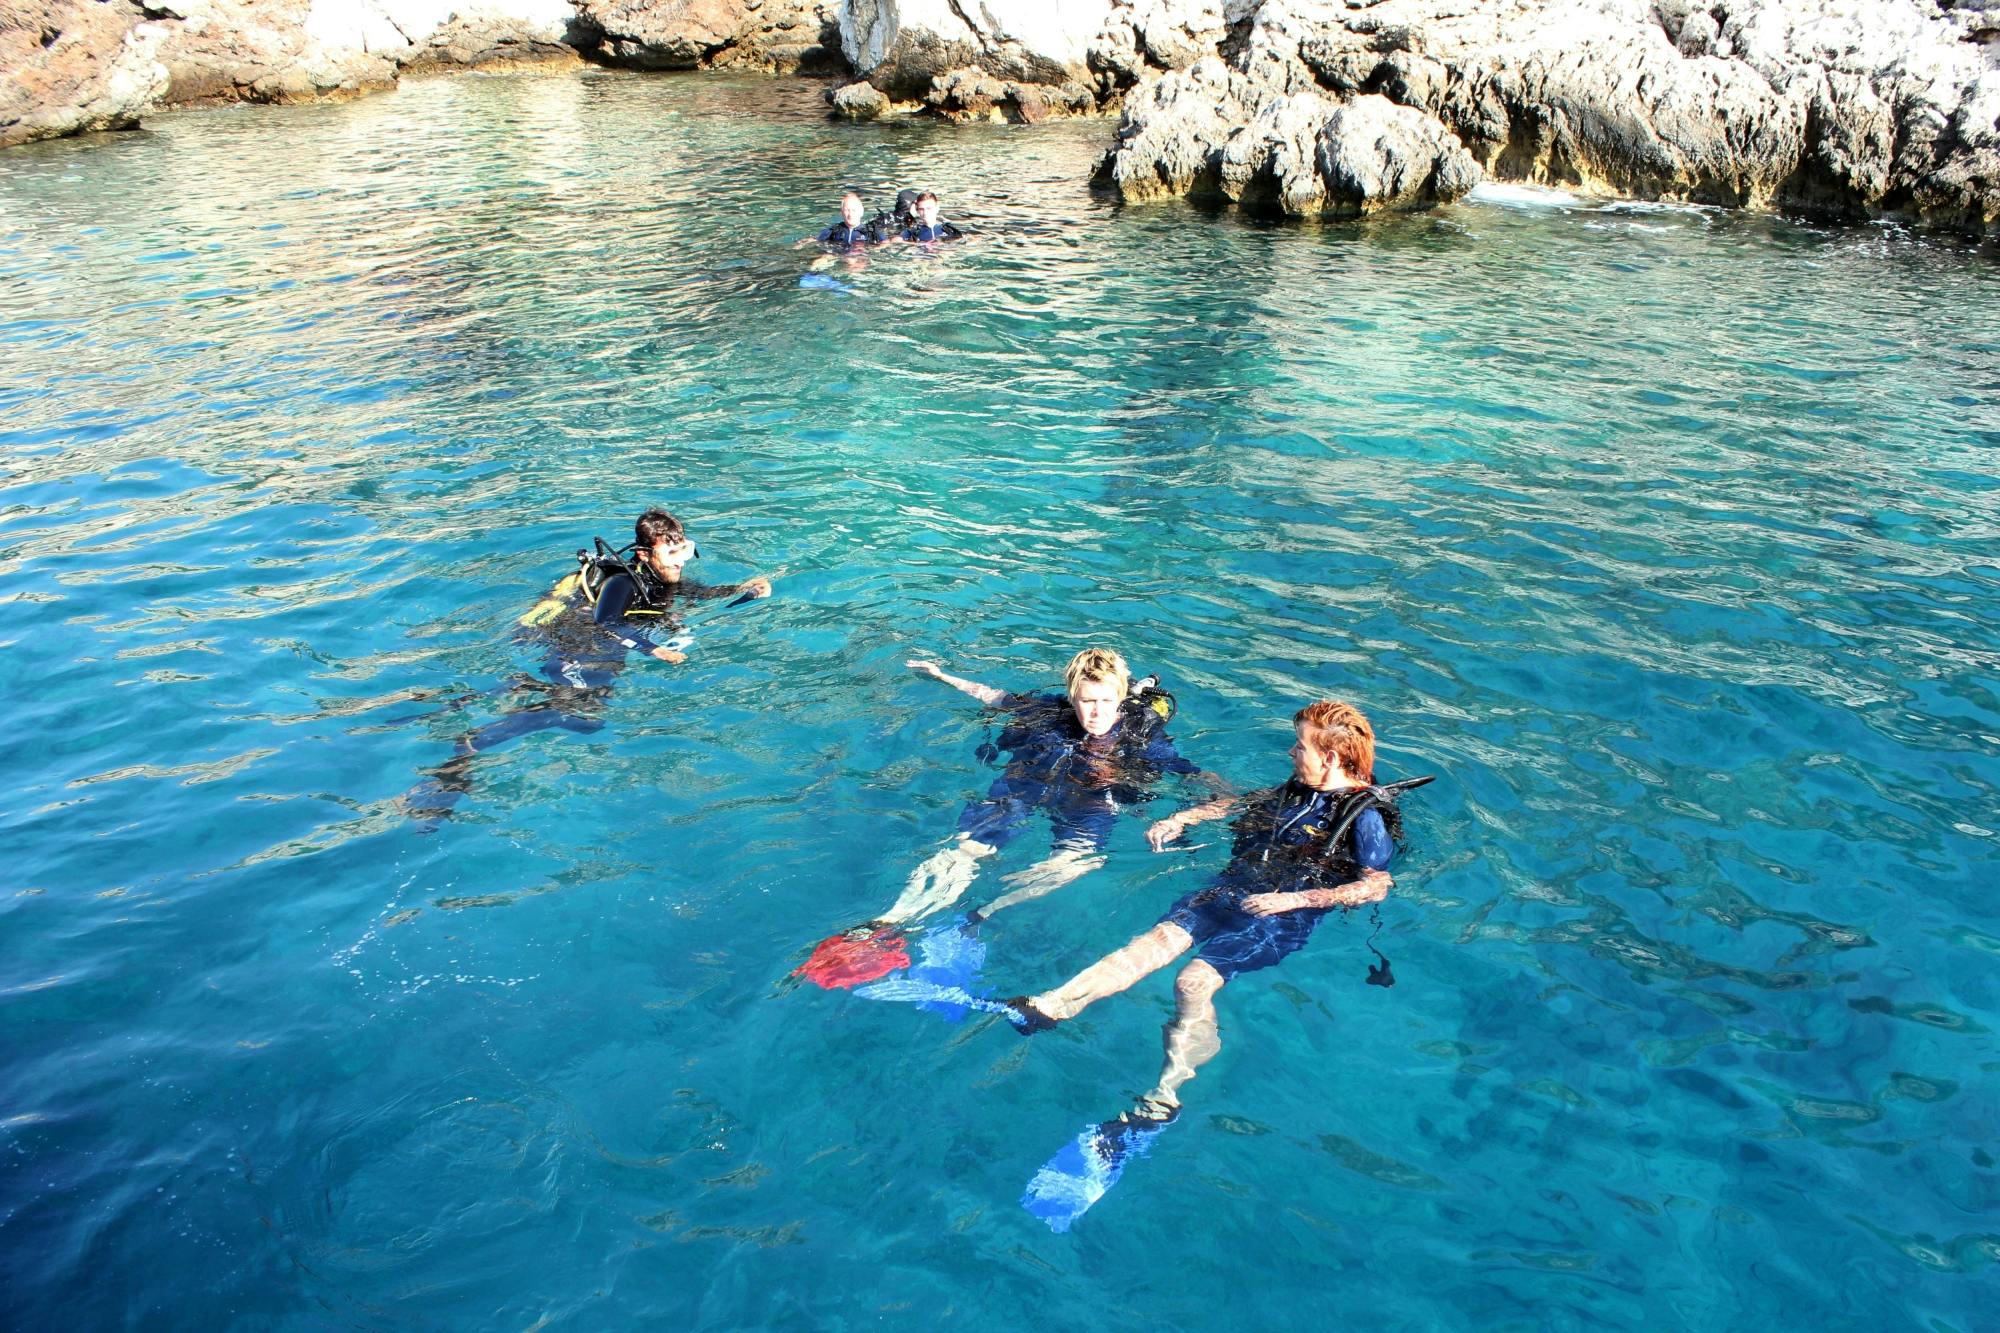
(904, 46)
(1307, 156)
(859, 101)
(689, 34)
(1145, 37)
(1833, 106)
(963, 95)
(304, 50)
(75, 65)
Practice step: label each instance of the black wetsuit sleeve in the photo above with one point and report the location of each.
(1161, 754)
(708, 592)
(612, 604)
(949, 231)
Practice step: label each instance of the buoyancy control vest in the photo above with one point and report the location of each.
(596, 568)
(1328, 844)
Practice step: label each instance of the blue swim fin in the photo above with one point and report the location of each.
(942, 980)
(1085, 1170)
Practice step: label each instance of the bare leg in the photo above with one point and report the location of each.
(1067, 864)
(939, 882)
(1115, 971)
(1192, 1036)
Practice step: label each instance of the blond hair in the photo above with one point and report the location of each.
(1094, 664)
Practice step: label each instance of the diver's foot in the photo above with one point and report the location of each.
(1150, 1113)
(1027, 1019)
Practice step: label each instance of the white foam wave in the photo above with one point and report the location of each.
(1521, 196)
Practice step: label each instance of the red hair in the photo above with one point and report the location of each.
(1339, 729)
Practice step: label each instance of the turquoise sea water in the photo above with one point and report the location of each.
(1666, 538)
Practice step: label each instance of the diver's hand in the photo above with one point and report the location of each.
(1164, 832)
(669, 655)
(758, 587)
(924, 667)
(1271, 904)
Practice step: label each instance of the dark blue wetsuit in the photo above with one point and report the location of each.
(583, 661)
(1081, 780)
(1281, 847)
(842, 234)
(944, 231)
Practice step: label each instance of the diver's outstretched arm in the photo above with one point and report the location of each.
(1166, 830)
(986, 694)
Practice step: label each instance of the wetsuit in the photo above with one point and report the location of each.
(583, 660)
(1083, 781)
(1281, 847)
(944, 231)
(842, 234)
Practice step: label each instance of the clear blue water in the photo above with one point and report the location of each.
(1666, 538)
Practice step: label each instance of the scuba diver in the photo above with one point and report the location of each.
(1082, 756)
(1320, 841)
(634, 605)
(926, 225)
(850, 231)
(891, 224)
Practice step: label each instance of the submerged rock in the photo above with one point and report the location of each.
(72, 66)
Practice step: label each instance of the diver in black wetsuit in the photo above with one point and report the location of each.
(850, 231)
(927, 225)
(1319, 842)
(890, 225)
(633, 607)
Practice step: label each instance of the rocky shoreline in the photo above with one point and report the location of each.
(1850, 109)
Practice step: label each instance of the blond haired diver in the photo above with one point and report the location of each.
(1082, 756)
(633, 600)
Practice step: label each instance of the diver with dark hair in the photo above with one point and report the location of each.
(890, 224)
(850, 231)
(636, 605)
(926, 224)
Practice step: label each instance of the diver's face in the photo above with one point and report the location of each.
(1096, 703)
(850, 211)
(927, 209)
(1316, 768)
(667, 558)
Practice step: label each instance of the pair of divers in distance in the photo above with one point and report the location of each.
(915, 218)
(1318, 841)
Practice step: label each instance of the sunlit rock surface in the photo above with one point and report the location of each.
(1851, 108)
(69, 66)
(780, 35)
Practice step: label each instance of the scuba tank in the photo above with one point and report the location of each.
(1149, 704)
(594, 569)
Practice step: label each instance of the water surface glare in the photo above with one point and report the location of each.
(1665, 537)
